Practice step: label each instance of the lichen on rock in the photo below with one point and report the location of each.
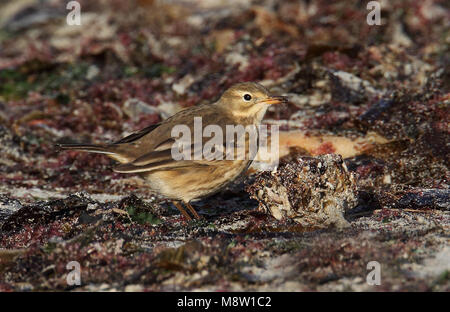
(313, 191)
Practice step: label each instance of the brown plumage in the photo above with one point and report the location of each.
(149, 151)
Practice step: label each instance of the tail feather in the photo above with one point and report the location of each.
(93, 148)
(108, 150)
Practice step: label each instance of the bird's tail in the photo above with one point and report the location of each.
(93, 148)
(108, 150)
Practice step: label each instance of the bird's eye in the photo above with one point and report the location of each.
(247, 97)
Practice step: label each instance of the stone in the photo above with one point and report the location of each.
(313, 191)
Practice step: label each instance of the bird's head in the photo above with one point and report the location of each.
(248, 100)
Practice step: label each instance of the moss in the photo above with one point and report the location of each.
(232, 244)
(49, 247)
(13, 84)
(130, 71)
(157, 70)
(45, 78)
(443, 278)
(4, 35)
(288, 246)
(142, 217)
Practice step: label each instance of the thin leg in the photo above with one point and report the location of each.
(180, 207)
(192, 210)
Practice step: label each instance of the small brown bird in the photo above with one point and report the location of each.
(150, 150)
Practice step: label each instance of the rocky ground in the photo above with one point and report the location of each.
(377, 95)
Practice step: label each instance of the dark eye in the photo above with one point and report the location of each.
(247, 97)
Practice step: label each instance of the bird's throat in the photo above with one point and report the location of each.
(251, 115)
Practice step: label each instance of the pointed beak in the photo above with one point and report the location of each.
(275, 100)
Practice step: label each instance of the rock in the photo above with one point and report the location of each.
(349, 88)
(133, 107)
(315, 192)
(134, 288)
(181, 86)
(44, 212)
(416, 198)
(8, 206)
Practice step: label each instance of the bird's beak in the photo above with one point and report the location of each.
(274, 100)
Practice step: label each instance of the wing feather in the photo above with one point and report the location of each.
(137, 135)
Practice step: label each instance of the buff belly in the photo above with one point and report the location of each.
(187, 184)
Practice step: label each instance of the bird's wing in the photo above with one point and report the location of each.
(137, 135)
(155, 151)
(162, 157)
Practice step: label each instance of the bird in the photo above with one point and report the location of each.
(150, 151)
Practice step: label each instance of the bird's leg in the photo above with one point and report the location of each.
(192, 210)
(181, 209)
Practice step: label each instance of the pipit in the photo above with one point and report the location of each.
(150, 151)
